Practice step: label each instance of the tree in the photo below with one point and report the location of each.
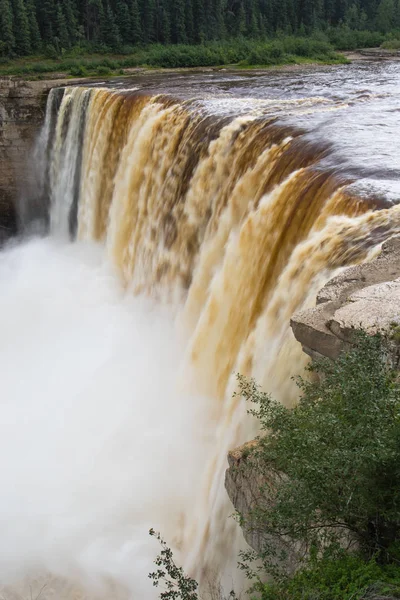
(179, 26)
(136, 28)
(35, 38)
(331, 466)
(71, 21)
(385, 18)
(109, 29)
(61, 28)
(21, 28)
(93, 19)
(6, 27)
(148, 12)
(123, 21)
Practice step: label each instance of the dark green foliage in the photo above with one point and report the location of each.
(21, 27)
(7, 40)
(347, 577)
(115, 24)
(61, 28)
(331, 465)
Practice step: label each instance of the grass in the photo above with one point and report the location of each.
(241, 53)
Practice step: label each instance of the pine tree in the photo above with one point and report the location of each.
(61, 28)
(35, 38)
(136, 36)
(179, 26)
(109, 30)
(385, 18)
(240, 20)
(21, 28)
(123, 21)
(220, 29)
(71, 20)
(148, 11)
(46, 19)
(94, 20)
(189, 21)
(200, 21)
(7, 40)
(164, 33)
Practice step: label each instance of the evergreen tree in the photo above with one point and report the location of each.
(46, 19)
(240, 25)
(200, 21)
(148, 12)
(179, 25)
(36, 40)
(136, 27)
(94, 20)
(123, 21)
(220, 29)
(109, 29)
(71, 20)
(22, 33)
(189, 21)
(385, 18)
(164, 34)
(61, 28)
(7, 40)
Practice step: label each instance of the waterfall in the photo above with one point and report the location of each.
(231, 223)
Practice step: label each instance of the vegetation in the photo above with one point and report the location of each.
(347, 577)
(204, 32)
(328, 506)
(331, 475)
(243, 53)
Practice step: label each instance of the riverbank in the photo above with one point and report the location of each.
(243, 54)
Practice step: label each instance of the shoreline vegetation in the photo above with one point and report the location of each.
(277, 51)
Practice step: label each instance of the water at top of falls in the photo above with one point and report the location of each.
(354, 107)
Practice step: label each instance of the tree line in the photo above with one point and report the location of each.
(33, 26)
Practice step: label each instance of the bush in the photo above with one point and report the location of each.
(348, 577)
(331, 466)
(391, 45)
(103, 70)
(78, 71)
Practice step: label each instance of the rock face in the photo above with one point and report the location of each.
(244, 482)
(21, 114)
(22, 111)
(366, 297)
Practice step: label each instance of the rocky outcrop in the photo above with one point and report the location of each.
(366, 297)
(245, 483)
(22, 110)
(22, 107)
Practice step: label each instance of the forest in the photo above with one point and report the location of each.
(52, 27)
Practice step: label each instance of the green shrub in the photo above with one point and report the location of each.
(78, 71)
(103, 70)
(348, 577)
(391, 45)
(330, 466)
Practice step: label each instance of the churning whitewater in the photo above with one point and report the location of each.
(180, 242)
(98, 443)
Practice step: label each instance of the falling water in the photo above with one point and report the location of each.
(194, 238)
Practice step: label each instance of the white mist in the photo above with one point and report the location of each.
(97, 445)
